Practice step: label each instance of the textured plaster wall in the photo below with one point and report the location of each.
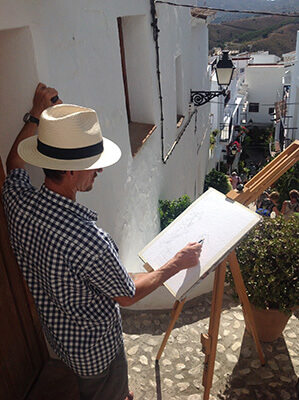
(265, 88)
(74, 47)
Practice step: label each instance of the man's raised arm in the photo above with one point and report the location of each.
(44, 97)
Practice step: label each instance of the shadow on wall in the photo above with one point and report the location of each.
(18, 66)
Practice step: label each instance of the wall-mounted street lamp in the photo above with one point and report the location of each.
(224, 72)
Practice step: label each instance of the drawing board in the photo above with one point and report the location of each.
(220, 221)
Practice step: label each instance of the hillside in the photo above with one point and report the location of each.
(280, 6)
(275, 34)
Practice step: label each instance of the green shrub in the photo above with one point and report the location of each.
(212, 142)
(269, 263)
(213, 136)
(259, 137)
(169, 210)
(217, 180)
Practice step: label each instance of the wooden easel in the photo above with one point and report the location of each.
(251, 191)
(267, 176)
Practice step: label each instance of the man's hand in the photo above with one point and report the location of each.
(44, 97)
(188, 257)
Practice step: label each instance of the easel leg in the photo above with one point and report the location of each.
(177, 308)
(211, 340)
(240, 287)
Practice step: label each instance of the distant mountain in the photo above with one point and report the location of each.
(274, 34)
(248, 5)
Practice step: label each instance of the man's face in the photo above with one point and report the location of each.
(85, 179)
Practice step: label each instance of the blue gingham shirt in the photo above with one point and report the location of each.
(73, 271)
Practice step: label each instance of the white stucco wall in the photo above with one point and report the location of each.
(264, 87)
(294, 98)
(74, 46)
(263, 57)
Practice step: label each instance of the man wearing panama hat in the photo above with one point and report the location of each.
(72, 267)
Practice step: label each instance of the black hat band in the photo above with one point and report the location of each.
(70, 154)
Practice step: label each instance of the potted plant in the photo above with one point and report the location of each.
(213, 137)
(269, 263)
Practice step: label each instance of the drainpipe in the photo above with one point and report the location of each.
(154, 25)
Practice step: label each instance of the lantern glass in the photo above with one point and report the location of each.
(224, 70)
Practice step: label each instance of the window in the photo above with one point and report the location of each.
(254, 107)
(135, 64)
(271, 110)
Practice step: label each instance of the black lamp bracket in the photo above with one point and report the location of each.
(198, 98)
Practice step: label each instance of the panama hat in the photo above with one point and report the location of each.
(69, 139)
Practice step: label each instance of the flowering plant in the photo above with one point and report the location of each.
(236, 146)
(243, 129)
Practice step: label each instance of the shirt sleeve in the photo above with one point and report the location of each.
(15, 185)
(16, 181)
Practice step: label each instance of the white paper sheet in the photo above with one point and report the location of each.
(221, 222)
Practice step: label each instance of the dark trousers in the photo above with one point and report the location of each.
(111, 384)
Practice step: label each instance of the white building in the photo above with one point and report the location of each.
(227, 112)
(259, 92)
(108, 56)
(264, 90)
(268, 94)
(290, 57)
(263, 57)
(291, 123)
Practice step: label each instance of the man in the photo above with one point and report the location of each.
(269, 205)
(235, 179)
(252, 170)
(72, 267)
(289, 207)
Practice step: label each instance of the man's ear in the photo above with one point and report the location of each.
(70, 175)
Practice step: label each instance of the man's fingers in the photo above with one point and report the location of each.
(39, 88)
(45, 97)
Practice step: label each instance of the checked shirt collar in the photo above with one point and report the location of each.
(69, 204)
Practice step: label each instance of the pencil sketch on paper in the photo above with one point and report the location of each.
(221, 222)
